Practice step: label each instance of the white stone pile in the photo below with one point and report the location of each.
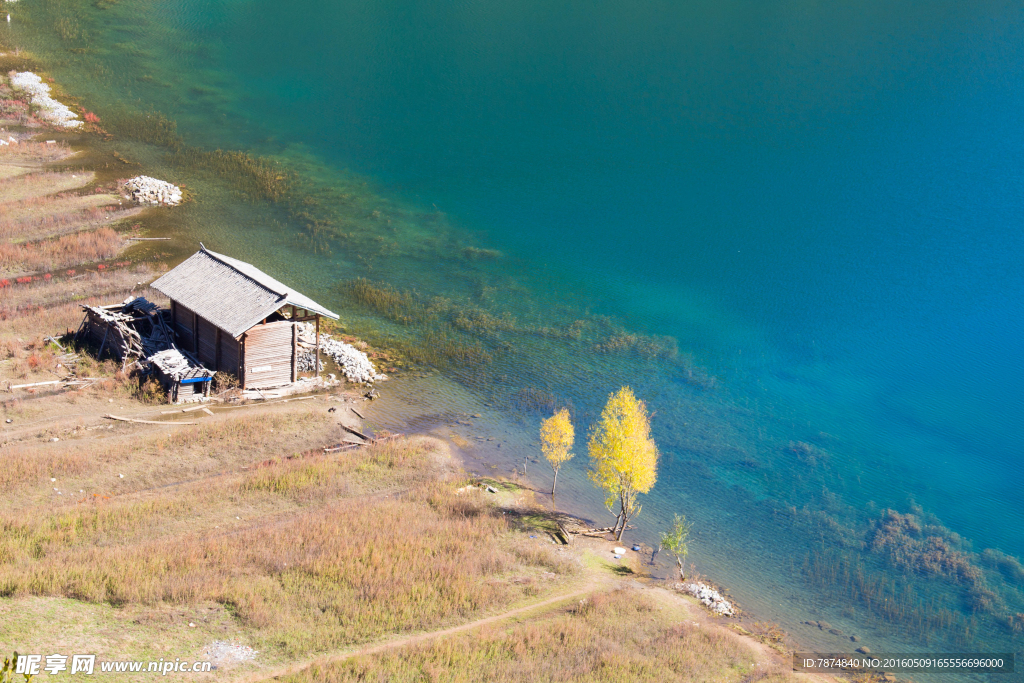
(223, 652)
(708, 597)
(146, 190)
(49, 109)
(353, 363)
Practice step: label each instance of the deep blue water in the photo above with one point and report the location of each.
(822, 202)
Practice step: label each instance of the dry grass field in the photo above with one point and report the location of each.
(625, 635)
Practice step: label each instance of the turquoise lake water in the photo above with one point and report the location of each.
(820, 203)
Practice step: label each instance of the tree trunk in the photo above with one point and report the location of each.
(618, 520)
(623, 515)
(679, 563)
(554, 484)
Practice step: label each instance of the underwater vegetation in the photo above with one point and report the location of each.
(259, 178)
(533, 400)
(643, 345)
(1007, 565)
(151, 127)
(845, 576)
(441, 349)
(408, 307)
(403, 307)
(475, 253)
(921, 577)
(926, 549)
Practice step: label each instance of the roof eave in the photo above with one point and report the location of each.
(280, 304)
(318, 310)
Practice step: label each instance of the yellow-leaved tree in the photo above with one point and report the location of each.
(623, 456)
(556, 439)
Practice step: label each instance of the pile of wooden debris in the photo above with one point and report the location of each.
(131, 330)
(138, 333)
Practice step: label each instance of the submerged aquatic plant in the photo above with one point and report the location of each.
(640, 344)
(844, 575)
(1007, 565)
(476, 253)
(403, 307)
(259, 177)
(151, 127)
(930, 550)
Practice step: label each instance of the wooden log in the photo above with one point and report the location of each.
(357, 413)
(145, 422)
(103, 343)
(54, 342)
(342, 447)
(35, 384)
(81, 327)
(598, 532)
(362, 436)
(270, 403)
(295, 349)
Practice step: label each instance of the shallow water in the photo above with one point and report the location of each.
(820, 204)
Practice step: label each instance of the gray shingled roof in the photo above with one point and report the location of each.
(231, 294)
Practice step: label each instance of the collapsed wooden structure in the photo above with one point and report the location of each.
(225, 316)
(137, 332)
(130, 330)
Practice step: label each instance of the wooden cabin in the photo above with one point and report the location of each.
(235, 318)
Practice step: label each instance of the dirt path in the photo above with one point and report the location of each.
(295, 667)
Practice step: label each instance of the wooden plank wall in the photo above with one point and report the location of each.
(268, 354)
(97, 329)
(207, 343)
(228, 354)
(183, 319)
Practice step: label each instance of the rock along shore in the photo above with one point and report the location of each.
(708, 597)
(354, 364)
(146, 190)
(49, 109)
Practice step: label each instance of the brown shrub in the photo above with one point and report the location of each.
(113, 284)
(621, 636)
(70, 250)
(28, 150)
(52, 216)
